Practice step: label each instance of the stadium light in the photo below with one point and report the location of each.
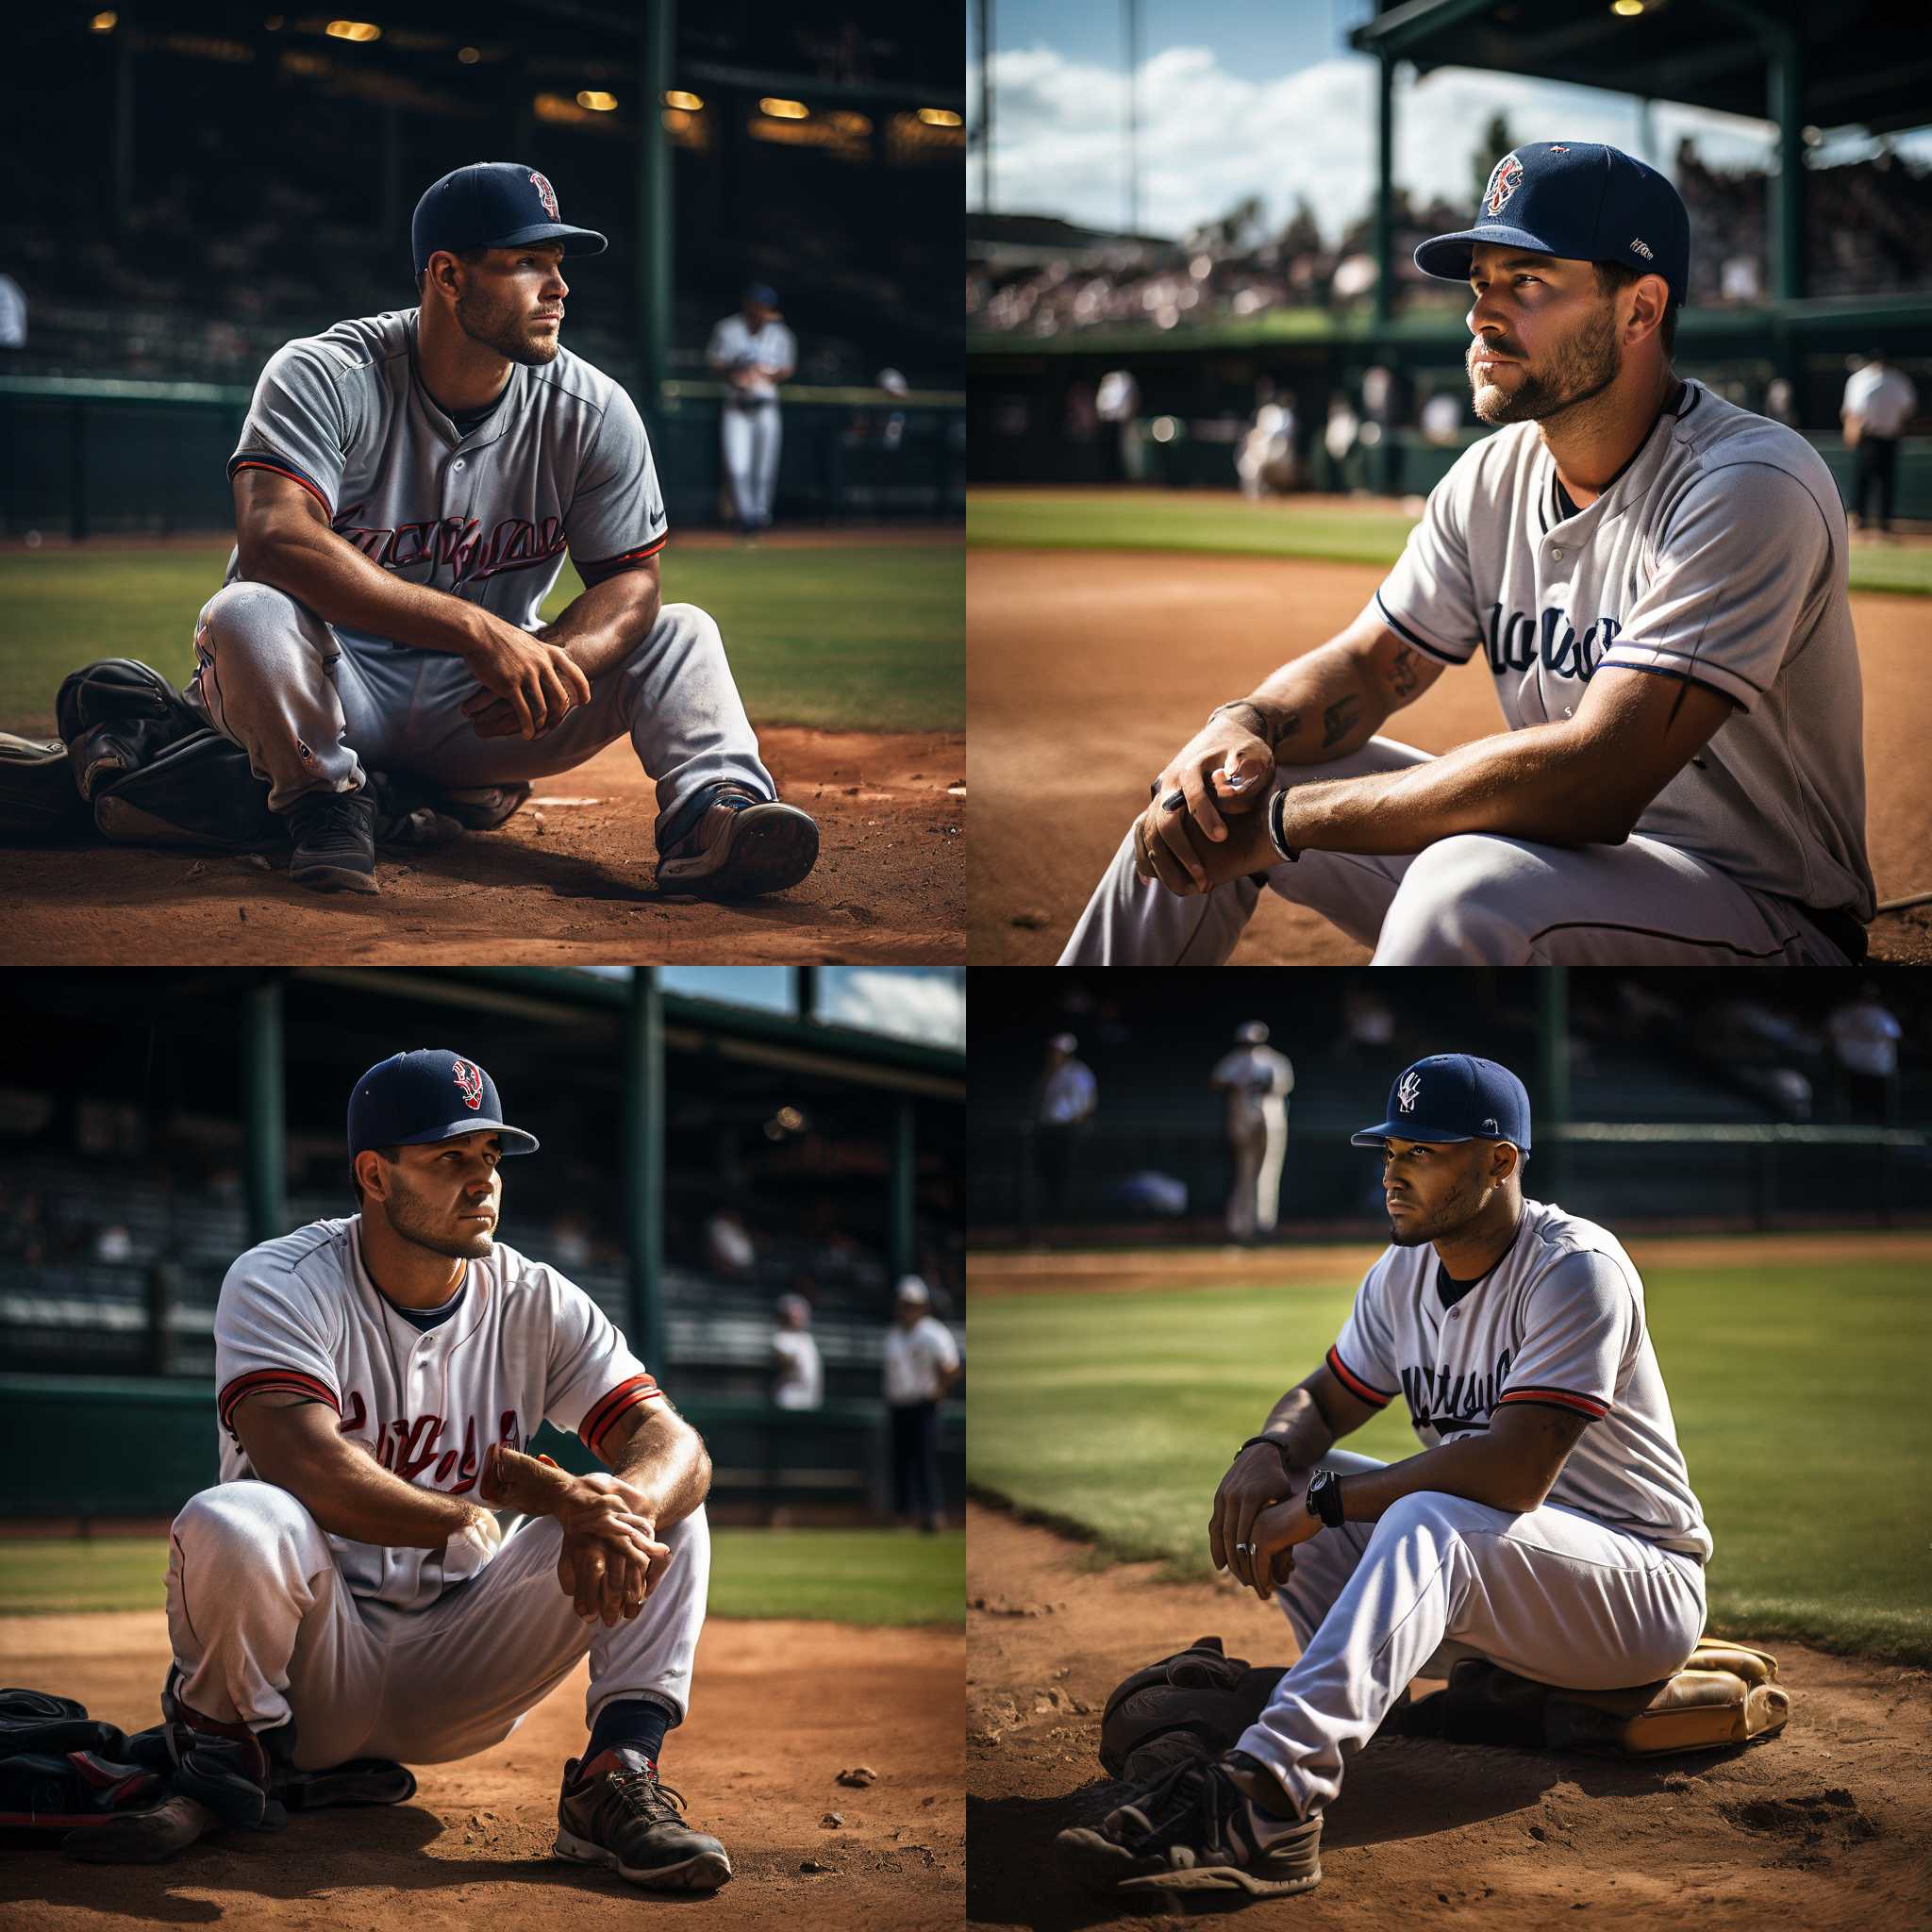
(353, 30)
(1628, 9)
(469, 55)
(784, 111)
(677, 97)
(597, 103)
(104, 23)
(939, 117)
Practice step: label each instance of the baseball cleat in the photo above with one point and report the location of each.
(613, 1813)
(334, 834)
(1200, 1826)
(740, 847)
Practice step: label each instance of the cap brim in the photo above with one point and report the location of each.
(1402, 1130)
(514, 1139)
(576, 240)
(1447, 258)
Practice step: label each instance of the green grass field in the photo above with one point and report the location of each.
(1220, 524)
(826, 1575)
(869, 637)
(1797, 1393)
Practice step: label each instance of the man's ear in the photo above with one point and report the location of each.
(374, 1177)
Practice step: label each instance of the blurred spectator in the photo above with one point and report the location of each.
(1117, 401)
(1879, 401)
(1443, 418)
(1339, 438)
(1257, 1081)
(23, 1235)
(1779, 403)
(754, 352)
(1062, 1113)
(1264, 460)
(12, 314)
(1864, 1038)
(1368, 1025)
(730, 1249)
(798, 1378)
(570, 1241)
(921, 1363)
(113, 1244)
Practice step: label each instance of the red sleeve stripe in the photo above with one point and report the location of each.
(625, 557)
(259, 1379)
(283, 470)
(1356, 1386)
(1559, 1398)
(625, 1395)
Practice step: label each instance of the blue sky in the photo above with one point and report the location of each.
(1265, 97)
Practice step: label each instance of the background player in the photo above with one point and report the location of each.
(1548, 1523)
(754, 352)
(1657, 581)
(405, 488)
(1258, 1080)
(347, 1590)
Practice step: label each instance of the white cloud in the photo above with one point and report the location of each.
(1207, 136)
(928, 1007)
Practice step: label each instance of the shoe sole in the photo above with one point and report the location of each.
(1101, 1865)
(142, 1838)
(707, 1872)
(325, 878)
(773, 846)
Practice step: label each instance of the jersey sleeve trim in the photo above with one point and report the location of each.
(1415, 638)
(1375, 1398)
(280, 468)
(1661, 661)
(295, 1381)
(627, 1396)
(1558, 1398)
(597, 571)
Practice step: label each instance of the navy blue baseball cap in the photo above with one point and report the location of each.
(763, 294)
(1454, 1096)
(415, 1099)
(493, 204)
(1579, 201)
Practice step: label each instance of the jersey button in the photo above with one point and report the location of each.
(458, 464)
(1557, 554)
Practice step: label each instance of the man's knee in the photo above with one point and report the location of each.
(243, 1524)
(1458, 906)
(242, 619)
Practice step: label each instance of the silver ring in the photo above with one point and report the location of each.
(1245, 1549)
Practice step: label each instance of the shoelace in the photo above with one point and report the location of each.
(640, 1793)
(1189, 1792)
(334, 812)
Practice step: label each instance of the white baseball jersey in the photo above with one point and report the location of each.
(1884, 399)
(738, 345)
(1718, 556)
(1559, 1320)
(1259, 1080)
(561, 463)
(1067, 1094)
(914, 1358)
(1866, 1038)
(301, 1314)
(801, 1380)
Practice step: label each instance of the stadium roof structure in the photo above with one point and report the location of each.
(1861, 62)
(1864, 64)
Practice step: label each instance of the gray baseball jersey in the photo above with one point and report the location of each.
(738, 345)
(300, 1314)
(1718, 556)
(562, 462)
(1559, 1320)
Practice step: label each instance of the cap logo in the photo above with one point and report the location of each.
(470, 1084)
(1505, 179)
(1408, 1093)
(1490, 1126)
(1641, 247)
(547, 195)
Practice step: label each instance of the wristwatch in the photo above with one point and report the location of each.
(1277, 835)
(1324, 1498)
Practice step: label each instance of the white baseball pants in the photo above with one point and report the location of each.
(265, 1628)
(1478, 899)
(749, 438)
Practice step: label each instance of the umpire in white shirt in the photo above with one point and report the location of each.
(1879, 401)
(754, 352)
(921, 1363)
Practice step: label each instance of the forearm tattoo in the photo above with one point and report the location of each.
(1270, 722)
(1338, 721)
(1402, 677)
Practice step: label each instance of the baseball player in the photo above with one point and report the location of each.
(1548, 1523)
(405, 487)
(1257, 1081)
(1878, 402)
(919, 1362)
(754, 352)
(377, 1572)
(1656, 580)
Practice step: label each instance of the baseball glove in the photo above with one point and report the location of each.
(1193, 1703)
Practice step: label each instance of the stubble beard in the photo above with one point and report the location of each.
(1579, 369)
(417, 1225)
(1451, 1218)
(502, 332)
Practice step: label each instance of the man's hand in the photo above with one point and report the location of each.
(1258, 1479)
(1222, 769)
(538, 683)
(611, 1558)
(1169, 847)
(1274, 1534)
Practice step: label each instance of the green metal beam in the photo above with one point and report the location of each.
(1384, 187)
(1553, 1081)
(1785, 104)
(657, 45)
(267, 1165)
(642, 1179)
(905, 1180)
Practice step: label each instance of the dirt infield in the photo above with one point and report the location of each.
(1086, 670)
(565, 882)
(1163, 1269)
(1822, 1826)
(780, 1709)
